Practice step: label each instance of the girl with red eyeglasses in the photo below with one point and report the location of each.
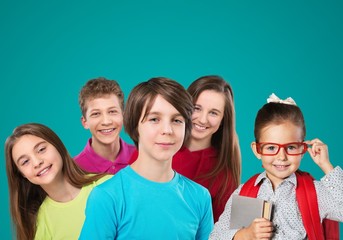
(280, 145)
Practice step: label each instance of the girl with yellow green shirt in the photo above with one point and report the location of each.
(48, 191)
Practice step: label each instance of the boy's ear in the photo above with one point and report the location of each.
(84, 122)
(253, 148)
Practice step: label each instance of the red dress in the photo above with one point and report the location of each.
(197, 163)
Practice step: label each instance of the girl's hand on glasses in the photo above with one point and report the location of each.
(320, 154)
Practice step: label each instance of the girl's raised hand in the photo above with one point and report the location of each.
(320, 154)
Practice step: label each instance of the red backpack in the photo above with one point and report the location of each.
(307, 200)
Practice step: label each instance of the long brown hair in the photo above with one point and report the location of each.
(26, 197)
(225, 139)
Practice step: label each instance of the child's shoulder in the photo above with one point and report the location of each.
(103, 179)
(191, 185)
(100, 180)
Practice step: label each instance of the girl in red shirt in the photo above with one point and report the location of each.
(212, 156)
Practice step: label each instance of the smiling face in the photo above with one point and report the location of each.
(281, 165)
(37, 160)
(207, 117)
(104, 119)
(161, 132)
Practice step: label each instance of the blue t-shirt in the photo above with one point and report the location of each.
(128, 206)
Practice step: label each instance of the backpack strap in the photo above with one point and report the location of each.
(308, 205)
(249, 189)
(331, 229)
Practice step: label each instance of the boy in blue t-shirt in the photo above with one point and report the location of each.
(148, 200)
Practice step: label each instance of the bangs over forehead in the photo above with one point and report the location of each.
(148, 105)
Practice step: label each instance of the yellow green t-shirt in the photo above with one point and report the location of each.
(57, 220)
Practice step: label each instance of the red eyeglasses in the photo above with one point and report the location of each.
(272, 149)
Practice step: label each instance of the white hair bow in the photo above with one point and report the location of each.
(273, 98)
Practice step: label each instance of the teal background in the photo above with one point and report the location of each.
(49, 49)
